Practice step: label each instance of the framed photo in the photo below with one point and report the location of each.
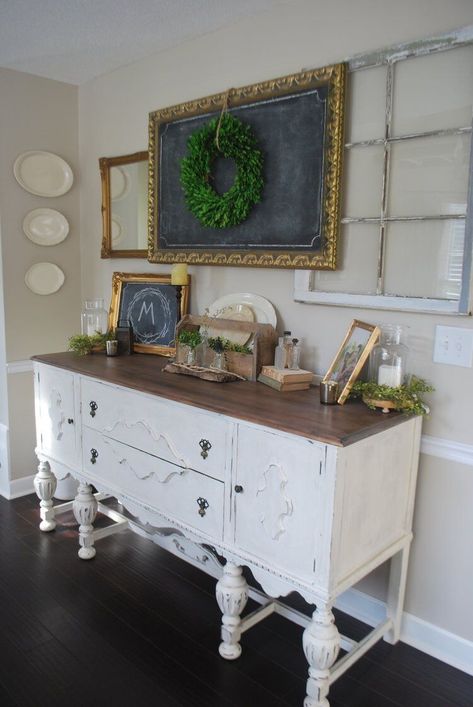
(297, 121)
(152, 306)
(351, 356)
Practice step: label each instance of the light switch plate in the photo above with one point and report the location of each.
(453, 346)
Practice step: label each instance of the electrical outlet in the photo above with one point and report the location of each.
(454, 346)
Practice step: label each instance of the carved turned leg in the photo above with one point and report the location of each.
(85, 510)
(232, 595)
(45, 486)
(321, 642)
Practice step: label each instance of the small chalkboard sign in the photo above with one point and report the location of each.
(297, 121)
(150, 303)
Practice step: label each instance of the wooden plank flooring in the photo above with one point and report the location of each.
(138, 626)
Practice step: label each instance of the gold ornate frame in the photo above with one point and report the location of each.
(105, 164)
(335, 77)
(120, 278)
(333, 372)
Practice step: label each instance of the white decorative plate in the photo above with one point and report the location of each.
(44, 278)
(45, 226)
(263, 309)
(236, 312)
(43, 173)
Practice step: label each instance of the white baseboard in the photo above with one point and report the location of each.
(19, 366)
(20, 487)
(4, 461)
(420, 634)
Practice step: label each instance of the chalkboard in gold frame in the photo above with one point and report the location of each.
(298, 123)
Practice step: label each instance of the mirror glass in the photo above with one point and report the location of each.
(125, 205)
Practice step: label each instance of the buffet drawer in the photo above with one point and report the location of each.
(177, 433)
(180, 494)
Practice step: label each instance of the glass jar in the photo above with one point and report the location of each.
(295, 357)
(94, 318)
(388, 359)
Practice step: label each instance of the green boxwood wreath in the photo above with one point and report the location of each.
(236, 141)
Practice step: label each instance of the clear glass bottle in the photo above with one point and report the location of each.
(202, 349)
(295, 355)
(288, 348)
(388, 359)
(94, 318)
(280, 355)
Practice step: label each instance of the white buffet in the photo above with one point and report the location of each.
(303, 514)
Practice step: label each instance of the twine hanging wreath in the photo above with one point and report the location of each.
(227, 137)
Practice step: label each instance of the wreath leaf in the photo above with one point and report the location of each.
(237, 142)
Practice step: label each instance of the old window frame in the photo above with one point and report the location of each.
(305, 280)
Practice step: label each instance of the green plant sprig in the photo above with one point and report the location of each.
(227, 345)
(406, 398)
(83, 344)
(189, 338)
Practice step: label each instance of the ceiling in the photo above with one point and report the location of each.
(76, 40)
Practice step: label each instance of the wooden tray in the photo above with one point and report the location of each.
(208, 374)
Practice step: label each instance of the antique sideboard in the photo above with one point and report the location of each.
(310, 498)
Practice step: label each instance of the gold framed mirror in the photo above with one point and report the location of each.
(124, 205)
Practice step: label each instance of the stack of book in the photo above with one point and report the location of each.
(285, 379)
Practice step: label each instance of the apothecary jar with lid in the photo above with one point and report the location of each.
(94, 317)
(388, 359)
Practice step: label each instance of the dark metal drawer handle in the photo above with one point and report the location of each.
(203, 505)
(93, 407)
(238, 489)
(93, 456)
(70, 421)
(205, 446)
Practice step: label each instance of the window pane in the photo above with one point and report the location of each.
(424, 259)
(433, 92)
(366, 104)
(429, 176)
(358, 261)
(363, 180)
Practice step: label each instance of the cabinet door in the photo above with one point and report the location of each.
(277, 503)
(57, 423)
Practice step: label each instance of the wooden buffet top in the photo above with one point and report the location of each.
(298, 412)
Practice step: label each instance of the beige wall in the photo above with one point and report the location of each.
(113, 120)
(35, 114)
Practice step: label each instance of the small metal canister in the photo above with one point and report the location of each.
(111, 347)
(328, 392)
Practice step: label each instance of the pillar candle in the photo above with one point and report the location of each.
(389, 375)
(179, 274)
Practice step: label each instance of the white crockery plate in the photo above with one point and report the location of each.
(263, 310)
(44, 278)
(236, 312)
(43, 173)
(45, 226)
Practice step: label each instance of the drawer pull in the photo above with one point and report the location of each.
(205, 446)
(93, 456)
(93, 408)
(238, 489)
(203, 505)
(70, 421)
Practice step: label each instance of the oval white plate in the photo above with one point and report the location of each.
(45, 226)
(236, 312)
(263, 309)
(43, 173)
(44, 278)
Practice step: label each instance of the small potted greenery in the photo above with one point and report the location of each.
(403, 398)
(83, 344)
(187, 341)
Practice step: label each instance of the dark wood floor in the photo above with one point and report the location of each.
(138, 626)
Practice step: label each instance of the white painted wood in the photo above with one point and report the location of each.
(19, 367)
(447, 449)
(232, 594)
(45, 486)
(309, 517)
(85, 510)
(321, 643)
(166, 429)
